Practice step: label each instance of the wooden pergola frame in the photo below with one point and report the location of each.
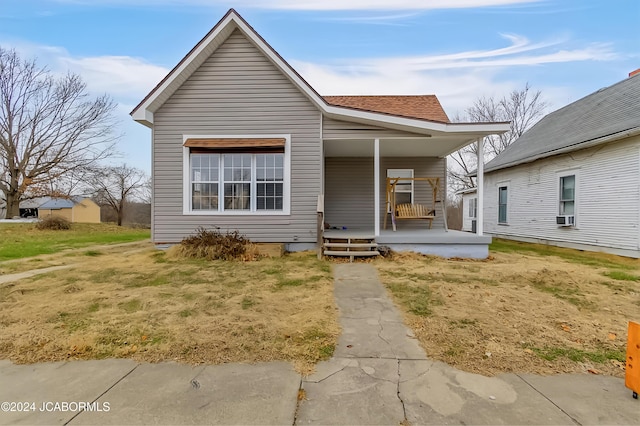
(413, 210)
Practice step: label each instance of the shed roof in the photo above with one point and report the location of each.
(609, 114)
(425, 107)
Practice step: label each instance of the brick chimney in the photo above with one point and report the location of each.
(632, 73)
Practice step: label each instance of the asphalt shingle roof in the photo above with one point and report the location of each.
(608, 111)
(425, 107)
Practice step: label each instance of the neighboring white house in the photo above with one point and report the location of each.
(573, 180)
(469, 209)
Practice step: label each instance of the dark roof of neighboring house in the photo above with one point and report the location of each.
(609, 114)
(425, 107)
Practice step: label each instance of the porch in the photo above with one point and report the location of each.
(436, 242)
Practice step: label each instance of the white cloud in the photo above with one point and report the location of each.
(457, 78)
(123, 77)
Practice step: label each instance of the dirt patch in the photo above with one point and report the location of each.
(149, 307)
(516, 312)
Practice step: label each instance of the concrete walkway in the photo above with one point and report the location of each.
(378, 375)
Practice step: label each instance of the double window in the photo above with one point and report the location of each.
(503, 197)
(254, 178)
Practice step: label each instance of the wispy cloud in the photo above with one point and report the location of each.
(123, 77)
(457, 78)
(321, 4)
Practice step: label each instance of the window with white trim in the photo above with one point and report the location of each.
(473, 208)
(232, 174)
(404, 188)
(567, 195)
(503, 196)
(250, 182)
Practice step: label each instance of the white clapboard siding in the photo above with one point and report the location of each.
(607, 197)
(237, 91)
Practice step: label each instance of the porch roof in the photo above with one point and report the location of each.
(439, 144)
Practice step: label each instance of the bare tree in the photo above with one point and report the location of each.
(50, 128)
(116, 186)
(522, 108)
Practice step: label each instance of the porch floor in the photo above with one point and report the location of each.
(411, 236)
(438, 242)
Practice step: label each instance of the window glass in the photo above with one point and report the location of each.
(567, 194)
(241, 175)
(502, 204)
(204, 181)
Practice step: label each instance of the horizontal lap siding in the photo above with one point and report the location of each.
(422, 167)
(349, 190)
(237, 91)
(336, 129)
(607, 200)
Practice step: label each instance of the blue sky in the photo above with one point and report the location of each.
(456, 49)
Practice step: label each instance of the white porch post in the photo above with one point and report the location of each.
(480, 186)
(376, 186)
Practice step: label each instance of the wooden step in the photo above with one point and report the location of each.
(360, 245)
(352, 253)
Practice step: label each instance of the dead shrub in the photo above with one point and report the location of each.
(211, 244)
(54, 223)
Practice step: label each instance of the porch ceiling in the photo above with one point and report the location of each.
(430, 146)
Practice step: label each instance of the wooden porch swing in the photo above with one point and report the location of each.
(410, 210)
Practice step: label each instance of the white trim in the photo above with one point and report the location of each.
(576, 193)
(480, 188)
(503, 184)
(143, 113)
(186, 178)
(376, 186)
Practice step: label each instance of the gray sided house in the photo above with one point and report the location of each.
(241, 141)
(573, 180)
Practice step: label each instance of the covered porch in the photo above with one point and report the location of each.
(354, 200)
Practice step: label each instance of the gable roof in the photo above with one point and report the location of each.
(425, 107)
(609, 114)
(144, 112)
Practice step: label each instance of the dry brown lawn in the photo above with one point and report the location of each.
(143, 304)
(519, 311)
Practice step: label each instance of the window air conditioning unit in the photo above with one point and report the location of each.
(566, 220)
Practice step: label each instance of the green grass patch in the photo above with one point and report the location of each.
(622, 276)
(568, 294)
(20, 240)
(92, 253)
(247, 302)
(185, 313)
(131, 306)
(416, 299)
(575, 256)
(579, 355)
(289, 282)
